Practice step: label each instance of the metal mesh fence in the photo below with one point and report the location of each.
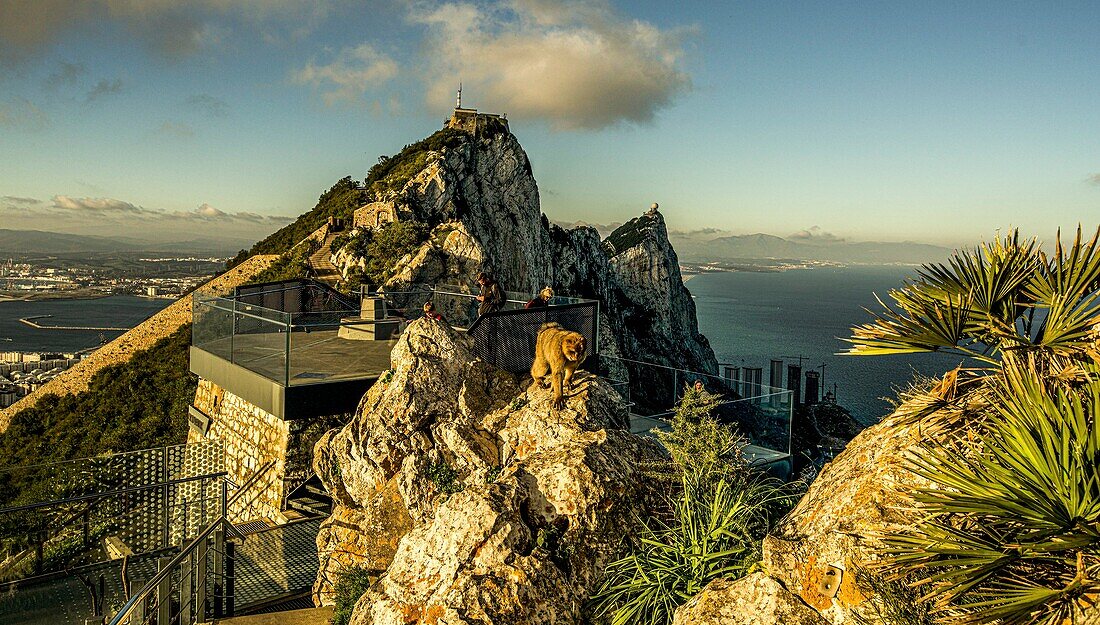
(506, 339)
(296, 296)
(88, 510)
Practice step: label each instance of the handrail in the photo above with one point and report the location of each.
(249, 482)
(165, 571)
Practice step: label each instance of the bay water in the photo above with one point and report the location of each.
(121, 311)
(751, 318)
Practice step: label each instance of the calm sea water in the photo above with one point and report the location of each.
(751, 318)
(121, 311)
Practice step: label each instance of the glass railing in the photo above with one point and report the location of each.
(324, 339)
(760, 412)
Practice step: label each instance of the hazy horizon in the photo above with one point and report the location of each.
(891, 122)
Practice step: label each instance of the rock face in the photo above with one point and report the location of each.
(753, 600)
(481, 202)
(470, 498)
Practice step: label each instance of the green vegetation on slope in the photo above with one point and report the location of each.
(393, 172)
(136, 404)
(340, 201)
(627, 235)
(383, 248)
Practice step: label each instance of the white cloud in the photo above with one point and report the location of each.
(174, 27)
(816, 234)
(1094, 179)
(110, 207)
(102, 205)
(577, 65)
(349, 75)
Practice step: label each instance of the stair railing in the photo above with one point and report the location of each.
(191, 562)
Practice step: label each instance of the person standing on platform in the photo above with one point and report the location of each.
(492, 296)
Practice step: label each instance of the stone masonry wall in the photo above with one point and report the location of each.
(160, 325)
(252, 438)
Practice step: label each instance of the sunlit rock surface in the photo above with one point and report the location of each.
(473, 500)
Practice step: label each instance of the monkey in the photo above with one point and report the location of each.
(558, 352)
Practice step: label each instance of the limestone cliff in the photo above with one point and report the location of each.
(470, 499)
(479, 199)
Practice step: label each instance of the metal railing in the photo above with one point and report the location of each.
(762, 413)
(81, 512)
(187, 588)
(306, 341)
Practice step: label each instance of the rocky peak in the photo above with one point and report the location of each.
(478, 198)
(471, 499)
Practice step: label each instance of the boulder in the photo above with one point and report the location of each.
(474, 500)
(756, 599)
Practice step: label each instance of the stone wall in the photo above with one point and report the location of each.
(160, 325)
(252, 437)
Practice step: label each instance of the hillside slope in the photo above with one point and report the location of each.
(159, 326)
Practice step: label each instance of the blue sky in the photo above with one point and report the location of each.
(936, 122)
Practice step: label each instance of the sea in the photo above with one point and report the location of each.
(120, 311)
(752, 318)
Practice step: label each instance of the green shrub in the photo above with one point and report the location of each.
(339, 201)
(698, 443)
(445, 478)
(389, 244)
(391, 173)
(715, 532)
(351, 584)
(137, 404)
(718, 510)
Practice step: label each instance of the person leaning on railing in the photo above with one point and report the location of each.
(491, 297)
(542, 300)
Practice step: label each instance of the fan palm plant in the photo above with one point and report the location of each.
(1010, 528)
(1003, 296)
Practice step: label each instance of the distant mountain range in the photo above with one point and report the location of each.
(40, 242)
(758, 246)
(697, 248)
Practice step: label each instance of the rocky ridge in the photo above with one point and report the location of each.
(470, 499)
(481, 203)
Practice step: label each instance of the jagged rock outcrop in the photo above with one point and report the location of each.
(471, 499)
(814, 553)
(481, 203)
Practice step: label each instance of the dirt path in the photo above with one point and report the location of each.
(321, 262)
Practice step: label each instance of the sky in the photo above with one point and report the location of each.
(932, 121)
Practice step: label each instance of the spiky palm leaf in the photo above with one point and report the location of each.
(715, 533)
(1012, 532)
(1005, 295)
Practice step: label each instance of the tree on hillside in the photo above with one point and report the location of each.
(1010, 530)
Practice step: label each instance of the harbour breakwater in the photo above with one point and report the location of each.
(31, 321)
